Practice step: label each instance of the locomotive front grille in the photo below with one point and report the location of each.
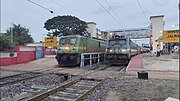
(68, 59)
(117, 58)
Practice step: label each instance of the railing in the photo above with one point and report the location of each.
(92, 60)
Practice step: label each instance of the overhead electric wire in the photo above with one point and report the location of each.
(41, 6)
(109, 13)
(58, 4)
(61, 6)
(122, 24)
(142, 11)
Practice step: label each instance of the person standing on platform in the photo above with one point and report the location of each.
(176, 51)
(158, 51)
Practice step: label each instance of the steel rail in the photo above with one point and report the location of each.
(15, 81)
(52, 91)
(63, 87)
(89, 91)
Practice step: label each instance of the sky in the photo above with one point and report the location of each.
(128, 13)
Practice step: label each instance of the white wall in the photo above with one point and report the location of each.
(92, 29)
(157, 24)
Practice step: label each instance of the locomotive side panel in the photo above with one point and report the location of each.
(94, 45)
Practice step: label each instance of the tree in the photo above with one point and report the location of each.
(66, 25)
(5, 42)
(20, 34)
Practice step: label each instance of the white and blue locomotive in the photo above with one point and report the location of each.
(119, 50)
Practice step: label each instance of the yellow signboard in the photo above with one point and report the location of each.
(51, 41)
(171, 36)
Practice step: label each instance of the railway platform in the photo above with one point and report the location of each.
(163, 67)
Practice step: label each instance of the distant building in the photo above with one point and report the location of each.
(157, 24)
(92, 29)
(101, 34)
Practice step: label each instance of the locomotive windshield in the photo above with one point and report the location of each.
(71, 41)
(117, 42)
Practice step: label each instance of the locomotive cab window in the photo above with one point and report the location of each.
(117, 42)
(70, 41)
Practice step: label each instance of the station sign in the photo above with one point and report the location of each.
(170, 36)
(51, 41)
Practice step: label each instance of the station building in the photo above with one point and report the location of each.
(157, 26)
(166, 39)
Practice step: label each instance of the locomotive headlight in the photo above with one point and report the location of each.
(66, 48)
(124, 50)
(110, 50)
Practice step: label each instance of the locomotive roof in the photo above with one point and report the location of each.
(71, 36)
(80, 37)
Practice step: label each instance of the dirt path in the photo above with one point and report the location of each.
(112, 96)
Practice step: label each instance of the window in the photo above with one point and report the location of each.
(117, 42)
(71, 41)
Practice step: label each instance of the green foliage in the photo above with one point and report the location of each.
(66, 25)
(5, 42)
(20, 35)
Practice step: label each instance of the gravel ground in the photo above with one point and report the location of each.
(46, 81)
(133, 89)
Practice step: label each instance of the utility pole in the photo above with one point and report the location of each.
(11, 35)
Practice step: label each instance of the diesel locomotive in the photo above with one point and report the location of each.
(119, 50)
(71, 46)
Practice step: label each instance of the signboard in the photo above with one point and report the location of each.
(51, 41)
(171, 36)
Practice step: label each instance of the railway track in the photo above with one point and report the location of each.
(18, 78)
(74, 90)
(112, 68)
(28, 88)
(115, 68)
(9, 80)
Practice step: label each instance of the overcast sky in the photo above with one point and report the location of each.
(129, 13)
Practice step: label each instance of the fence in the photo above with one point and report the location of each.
(91, 60)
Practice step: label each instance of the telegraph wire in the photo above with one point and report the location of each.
(109, 13)
(40, 6)
(61, 6)
(142, 10)
(115, 13)
(58, 4)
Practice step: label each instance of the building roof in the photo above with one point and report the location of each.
(156, 16)
(91, 23)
